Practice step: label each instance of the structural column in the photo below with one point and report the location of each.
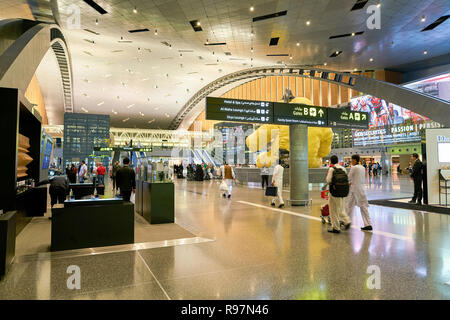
(298, 167)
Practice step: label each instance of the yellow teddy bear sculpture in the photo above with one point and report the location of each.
(319, 141)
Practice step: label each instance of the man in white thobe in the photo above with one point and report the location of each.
(357, 195)
(277, 181)
(336, 204)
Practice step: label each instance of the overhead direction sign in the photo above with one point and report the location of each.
(223, 109)
(345, 118)
(293, 113)
(239, 110)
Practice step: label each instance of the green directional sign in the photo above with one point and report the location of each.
(143, 149)
(345, 118)
(293, 113)
(223, 109)
(239, 110)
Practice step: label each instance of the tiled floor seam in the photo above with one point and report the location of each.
(159, 284)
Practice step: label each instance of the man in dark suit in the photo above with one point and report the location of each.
(126, 180)
(416, 175)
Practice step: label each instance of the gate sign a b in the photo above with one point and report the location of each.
(283, 113)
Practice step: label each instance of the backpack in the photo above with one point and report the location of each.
(339, 186)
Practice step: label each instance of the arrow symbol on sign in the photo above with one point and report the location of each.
(321, 112)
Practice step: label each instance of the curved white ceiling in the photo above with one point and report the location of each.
(147, 87)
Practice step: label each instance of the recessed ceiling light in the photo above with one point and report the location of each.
(84, 110)
(252, 8)
(125, 120)
(135, 10)
(355, 69)
(130, 106)
(207, 42)
(425, 52)
(353, 34)
(156, 32)
(371, 59)
(337, 52)
(150, 121)
(298, 44)
(96, 22)
(198, 23)
(308, 23)
(423, 19)
(251, 49)
(325, 64)
(101, 103)
(290, 57)
(252, 34)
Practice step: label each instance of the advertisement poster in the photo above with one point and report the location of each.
(384, 114)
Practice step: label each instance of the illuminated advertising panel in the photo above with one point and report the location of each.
(383, 113)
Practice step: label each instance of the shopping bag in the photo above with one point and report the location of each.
(271, 191)
(223, 186)
(133, 197)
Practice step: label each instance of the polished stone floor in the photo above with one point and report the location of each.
(260, 252)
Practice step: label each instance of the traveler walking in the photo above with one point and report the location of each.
(337, 180)
(126, 180)
(228, 176)
(277, 181)
(265, 175)
(417, 177)
(82, 171)
(357, 195)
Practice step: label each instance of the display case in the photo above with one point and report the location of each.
(20, 128)
(444, 187)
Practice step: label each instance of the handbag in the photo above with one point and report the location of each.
(271, 191)
(223, 186)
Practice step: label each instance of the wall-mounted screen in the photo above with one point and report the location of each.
(383, 113)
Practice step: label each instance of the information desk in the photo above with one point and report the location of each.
(7, 241)
(92, 223)
(81, 190)
(158, 202)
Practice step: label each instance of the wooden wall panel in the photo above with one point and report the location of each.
(273, 88)
(308, 88)
(279, 88)
(285, 84)
(316, 92)
(258, 89)
(325, 100)
(264, 95)
(293, 86)
(334, 94)
(299, 87)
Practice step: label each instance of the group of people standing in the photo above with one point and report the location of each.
(374, 169)
(98, 173)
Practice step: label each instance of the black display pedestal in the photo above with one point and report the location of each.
(7, 241)
(158, 202)
(92, 223)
